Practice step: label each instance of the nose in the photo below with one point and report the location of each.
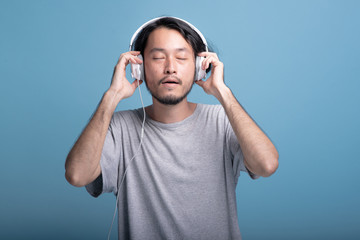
(170, 67)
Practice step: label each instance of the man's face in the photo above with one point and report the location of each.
(169, 66)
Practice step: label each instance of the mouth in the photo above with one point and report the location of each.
(170, 81)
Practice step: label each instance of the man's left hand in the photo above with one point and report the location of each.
(215, 83)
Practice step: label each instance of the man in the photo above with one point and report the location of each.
(181, 182)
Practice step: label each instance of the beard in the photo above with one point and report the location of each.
(170, 99)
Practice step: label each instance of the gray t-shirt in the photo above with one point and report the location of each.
(181, 183)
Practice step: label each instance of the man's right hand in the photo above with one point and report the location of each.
(119, 84)
(83, 161)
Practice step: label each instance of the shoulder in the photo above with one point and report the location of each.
(126, 116)
(214, 118)
(211, 110)
(212, 114)
(127, 113)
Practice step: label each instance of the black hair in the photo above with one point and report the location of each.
(190, 35)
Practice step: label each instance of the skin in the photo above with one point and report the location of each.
(169, 67)
(169, 57)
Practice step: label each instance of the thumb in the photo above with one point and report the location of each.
(136, 83)
(200, 83)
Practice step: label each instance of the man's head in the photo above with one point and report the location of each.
(169, 47)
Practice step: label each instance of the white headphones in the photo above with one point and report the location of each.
(137, 70)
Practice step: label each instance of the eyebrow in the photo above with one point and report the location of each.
(163, 50)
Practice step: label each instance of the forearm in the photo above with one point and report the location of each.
(83, 161)
(260, 155)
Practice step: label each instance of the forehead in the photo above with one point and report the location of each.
(167, 39)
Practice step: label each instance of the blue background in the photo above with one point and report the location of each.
(294, 66)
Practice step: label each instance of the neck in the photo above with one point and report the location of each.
(170, 113)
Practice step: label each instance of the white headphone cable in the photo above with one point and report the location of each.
(137, 151)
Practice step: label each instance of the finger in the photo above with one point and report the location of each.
(129, 54)
(135, 60)
(200, 83)
(135, 53)
(208, 54)
(134, 57)
(136, 83)
(207, 61)
(203, 54)
(127, 58)
(138, 60)
(211, 60)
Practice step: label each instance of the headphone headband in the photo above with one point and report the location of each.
(155, 19)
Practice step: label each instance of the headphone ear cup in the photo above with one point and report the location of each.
(137, 70)
(199, 72)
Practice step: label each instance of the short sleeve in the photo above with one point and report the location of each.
(236, 152)
(109, 163)
(95, 188)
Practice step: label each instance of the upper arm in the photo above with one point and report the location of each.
(96, 174)
(95, 187)
(252, 174)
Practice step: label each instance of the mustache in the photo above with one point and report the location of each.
(170, 77)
